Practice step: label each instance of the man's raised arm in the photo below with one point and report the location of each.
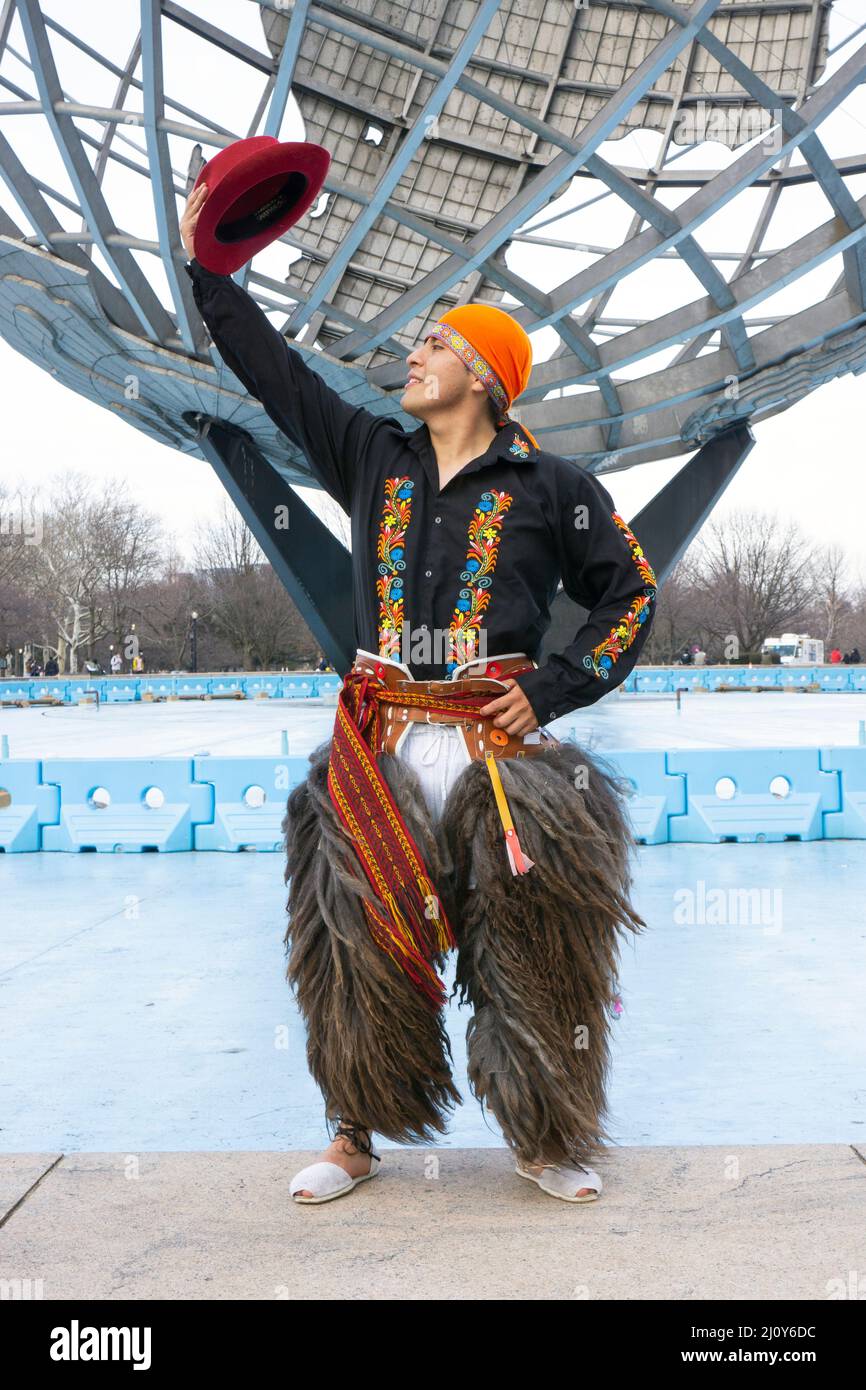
(333, 434)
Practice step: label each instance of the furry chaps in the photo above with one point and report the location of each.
(536, 955)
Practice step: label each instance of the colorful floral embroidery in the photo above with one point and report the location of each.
(519, 447)
(620, 638)
(484, 540)
(474, 361)
(390, 549)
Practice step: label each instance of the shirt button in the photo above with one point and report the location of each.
(437, 519)
(428, 573)
(423, 627)
(553, 714)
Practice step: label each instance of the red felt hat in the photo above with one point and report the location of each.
(257, 189)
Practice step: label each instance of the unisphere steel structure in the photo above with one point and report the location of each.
(453, 126)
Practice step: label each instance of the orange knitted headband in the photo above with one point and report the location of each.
(493, 345)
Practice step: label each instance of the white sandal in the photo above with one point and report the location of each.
(562, 1182)
(328, 1180)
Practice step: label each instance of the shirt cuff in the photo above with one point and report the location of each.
(539, 687)
(195, 268)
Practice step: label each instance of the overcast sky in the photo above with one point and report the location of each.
(807, 465)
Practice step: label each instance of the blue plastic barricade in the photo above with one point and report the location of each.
(753, 794)
(226, 685)
(652, 679)
(156, 687)
(47, 689)
(131, 804)
(82, 687)
(25, 805)
(658, 794)
(730, 676)
(118, 691)
(857, 677)
(797, 676)
(761, 676)
(298, 687)
(687, 677)
(849, 823)
(188, 686)
(709, 677)
(14, 690)
(263, 687)
(834, 677)
(249, 800)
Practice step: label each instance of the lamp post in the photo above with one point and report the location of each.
(194, 643)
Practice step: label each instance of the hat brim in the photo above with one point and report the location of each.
(255, 201)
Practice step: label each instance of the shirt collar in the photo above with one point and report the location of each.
(510, 443)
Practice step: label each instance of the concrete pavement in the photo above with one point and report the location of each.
(704, 1222)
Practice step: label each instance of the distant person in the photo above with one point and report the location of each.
(33, 668)
(856, 658)
(835, 656)
(92, 667)
(51, 667)
(138, 663)
(685, 657)
(2, 667)
(10, 663)
(116, 663)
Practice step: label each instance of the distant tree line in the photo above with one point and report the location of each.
(87, 572)
(749, 576)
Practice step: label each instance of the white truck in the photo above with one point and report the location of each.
(796, 649)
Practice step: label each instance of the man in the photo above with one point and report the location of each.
(460, 533)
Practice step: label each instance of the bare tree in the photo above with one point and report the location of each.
(128, 541)
(755, 576)
(244, 600)
(20, 529)
(165, 613)
(832, 596)
(674, 623)
(95, 552)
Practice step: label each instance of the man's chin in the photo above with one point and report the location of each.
(411, 408)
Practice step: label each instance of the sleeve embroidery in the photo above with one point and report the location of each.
(620, 637)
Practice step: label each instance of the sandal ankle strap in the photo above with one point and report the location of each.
(349, 1130)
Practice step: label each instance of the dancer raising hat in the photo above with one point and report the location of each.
(442, 814)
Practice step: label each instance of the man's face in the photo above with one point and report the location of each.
(438, 380)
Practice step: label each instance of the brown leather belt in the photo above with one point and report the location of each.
(479, 732)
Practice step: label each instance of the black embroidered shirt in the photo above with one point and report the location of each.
(476, 561)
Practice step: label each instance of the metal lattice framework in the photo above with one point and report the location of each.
(451, 125)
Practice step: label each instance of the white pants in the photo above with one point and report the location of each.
(437, 753)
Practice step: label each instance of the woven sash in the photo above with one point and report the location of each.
(407, 921)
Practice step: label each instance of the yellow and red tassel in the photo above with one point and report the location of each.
(520, 863)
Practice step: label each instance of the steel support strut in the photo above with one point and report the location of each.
(311, 564)
(668, 523)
